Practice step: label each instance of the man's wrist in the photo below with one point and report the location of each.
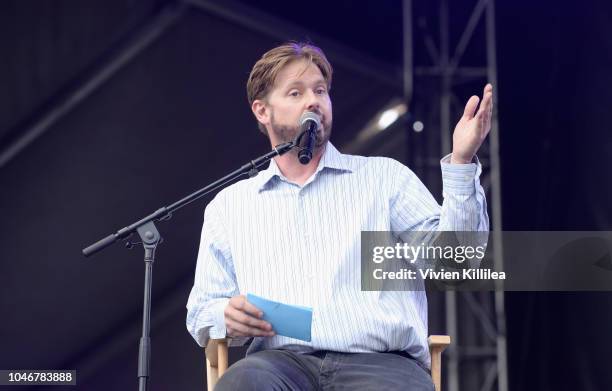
(456, 159)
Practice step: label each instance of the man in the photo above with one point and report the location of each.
(292, 235)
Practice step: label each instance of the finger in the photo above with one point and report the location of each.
(251, 309)
(245, 319)
(488, 112)
(253, 315)
(485, 106)
(242, 304)
(242, 330)
(236, 311)
(483, 126)
(488, 88)
(233, 332)
(487, 96)
(470, 107)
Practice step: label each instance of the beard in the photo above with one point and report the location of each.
(286, 134)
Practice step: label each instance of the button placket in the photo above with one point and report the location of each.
(305, 222)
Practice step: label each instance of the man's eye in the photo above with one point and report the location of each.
(294, 93)
(321, 91)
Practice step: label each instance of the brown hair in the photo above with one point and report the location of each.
(264, 72)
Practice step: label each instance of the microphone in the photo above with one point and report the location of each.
(309, 123)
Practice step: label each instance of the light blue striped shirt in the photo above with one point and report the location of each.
(300, 245)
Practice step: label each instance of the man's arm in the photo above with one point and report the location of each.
(215, 308)
(464, 208)
(215, 280)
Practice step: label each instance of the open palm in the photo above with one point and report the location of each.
(473, 127)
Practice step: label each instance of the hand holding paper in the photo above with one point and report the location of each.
(243, 319)
(288, 320)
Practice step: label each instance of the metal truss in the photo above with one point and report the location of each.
(477, 358)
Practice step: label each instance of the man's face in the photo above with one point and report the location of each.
(299, 87)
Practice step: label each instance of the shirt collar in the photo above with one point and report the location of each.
(331, 159)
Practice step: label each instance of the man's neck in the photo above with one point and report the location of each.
(296, 172)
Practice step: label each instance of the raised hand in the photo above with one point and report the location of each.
(473, 127)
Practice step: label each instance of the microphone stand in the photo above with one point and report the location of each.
(150, 237)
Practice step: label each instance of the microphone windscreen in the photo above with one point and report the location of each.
(309, 116)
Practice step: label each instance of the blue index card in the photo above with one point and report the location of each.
(288, 320)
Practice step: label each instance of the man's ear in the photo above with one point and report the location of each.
(261, 111)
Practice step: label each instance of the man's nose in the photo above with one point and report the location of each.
(312, 101)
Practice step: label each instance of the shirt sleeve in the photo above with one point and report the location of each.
(464, 207)
(417, 218)
(215, 279)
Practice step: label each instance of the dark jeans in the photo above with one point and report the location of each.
(324, 370)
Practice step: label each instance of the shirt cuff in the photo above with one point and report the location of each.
(216, 315)
(460, 178)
